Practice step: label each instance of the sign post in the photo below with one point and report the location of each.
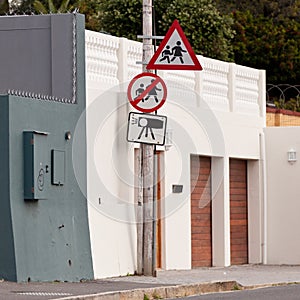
(147, 92)
(145, 231)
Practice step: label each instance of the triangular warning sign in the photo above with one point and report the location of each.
(174, 52)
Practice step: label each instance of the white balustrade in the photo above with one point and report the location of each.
(215, 83)
(224, 86)
(247, 92)
(101, 59)
(134, 55)
(181, 86)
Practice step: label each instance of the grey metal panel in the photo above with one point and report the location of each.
(24, 22)
(62, 55)
(80, 59)
(25, 60)
(37, 55)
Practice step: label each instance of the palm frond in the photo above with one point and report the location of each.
(52, 8)
(39, 7)
(64, 6)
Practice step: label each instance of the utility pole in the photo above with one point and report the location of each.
(147, 154)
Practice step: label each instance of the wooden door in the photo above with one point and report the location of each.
(238, 212)
(201, 211)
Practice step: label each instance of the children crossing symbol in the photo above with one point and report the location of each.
(147, 92)
(174, 52)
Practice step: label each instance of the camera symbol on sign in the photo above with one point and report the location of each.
(147, 124)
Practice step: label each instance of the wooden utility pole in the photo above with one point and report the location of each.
(147, 154)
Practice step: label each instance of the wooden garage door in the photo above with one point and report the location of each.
(238, 212)
(201, 211)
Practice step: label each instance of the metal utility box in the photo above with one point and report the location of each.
(36, 165)
(58, 167)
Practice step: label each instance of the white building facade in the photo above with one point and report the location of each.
(283, 192)
(214, 155)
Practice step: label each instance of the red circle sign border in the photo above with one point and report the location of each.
(146, 110)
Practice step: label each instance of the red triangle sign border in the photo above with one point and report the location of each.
(152, 63)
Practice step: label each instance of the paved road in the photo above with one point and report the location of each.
(246, 275)
(289, 292)
(56, 290)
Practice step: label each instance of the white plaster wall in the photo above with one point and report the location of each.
(110, 160)
(220, 211)
(283, 194)
(197, 129)
(110, 188)
(217, 112)
(255, 199)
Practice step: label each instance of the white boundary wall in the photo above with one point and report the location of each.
(219, 112)
(283, 194)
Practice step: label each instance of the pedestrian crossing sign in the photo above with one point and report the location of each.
(174, 52)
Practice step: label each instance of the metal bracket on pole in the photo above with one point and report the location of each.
(153, 37)
(142, 63)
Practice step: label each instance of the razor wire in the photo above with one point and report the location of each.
(281, 93)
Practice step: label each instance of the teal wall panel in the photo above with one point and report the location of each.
(51, 238)
(7, 247)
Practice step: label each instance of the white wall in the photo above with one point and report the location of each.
(283, 194)
(110, 157)
(219, 112)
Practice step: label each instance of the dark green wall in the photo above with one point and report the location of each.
(48, 239)
(7, 248)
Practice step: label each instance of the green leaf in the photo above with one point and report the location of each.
(52, 8)
(64, 6)
(39, 7)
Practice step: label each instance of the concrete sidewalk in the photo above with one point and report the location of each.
(167, 284)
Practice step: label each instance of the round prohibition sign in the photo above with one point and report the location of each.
(147, 92)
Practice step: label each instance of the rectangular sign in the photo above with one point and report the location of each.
(146, 128)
